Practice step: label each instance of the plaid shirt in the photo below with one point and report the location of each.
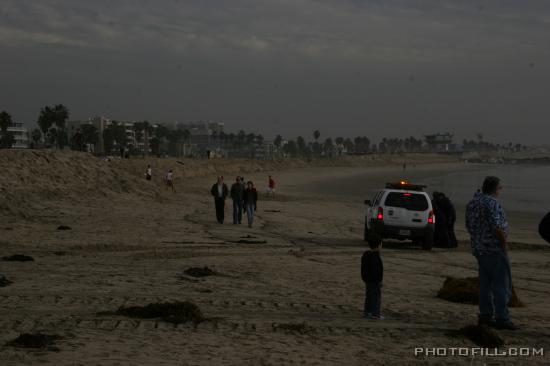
(483, 215)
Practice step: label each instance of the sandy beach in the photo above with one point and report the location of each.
(287, 291)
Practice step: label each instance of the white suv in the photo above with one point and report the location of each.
(401, 211)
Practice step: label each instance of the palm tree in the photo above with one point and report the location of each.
(301, 144)
(61, 115)
(328, 146)
(36, 135)
(316, 135)
(5, 121)
(278, 141)
(45, 120)
(7, 139)
(148, 129)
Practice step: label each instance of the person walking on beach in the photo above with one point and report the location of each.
(271, 187)
(148, 172)
(488, 228)
(237, 193)
(170, 180)
(219, 191)
(250, 202)
(372, 273)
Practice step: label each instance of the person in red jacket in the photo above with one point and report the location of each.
(271, 187)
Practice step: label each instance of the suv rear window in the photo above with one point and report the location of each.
(409, 201)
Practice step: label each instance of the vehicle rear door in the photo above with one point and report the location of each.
(406, 208)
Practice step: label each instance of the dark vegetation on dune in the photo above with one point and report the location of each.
(248, 241)
(172, 312)
(4, 281)
(301, 328)
(200, 272)
(64, 227)
(18, 258)
(38, 340)
(466, 291)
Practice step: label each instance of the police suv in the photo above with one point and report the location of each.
(401, 211)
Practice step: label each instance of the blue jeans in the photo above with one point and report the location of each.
(373, 296)
(495, 286)
(237, 211)
(250, 213)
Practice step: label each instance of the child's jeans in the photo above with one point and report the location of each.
(372, 298)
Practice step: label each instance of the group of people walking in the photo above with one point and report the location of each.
(168, 177)
(244, 197)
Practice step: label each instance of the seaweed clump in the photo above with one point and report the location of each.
(4, 281)
(199, 272)
(466, 291)
(301, 328)
(482, 336)
(38, 340)
(177, 312)
(18, 258)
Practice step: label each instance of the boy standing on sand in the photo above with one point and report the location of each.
(149, 172)
(372, 271)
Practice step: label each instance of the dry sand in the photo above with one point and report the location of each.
(131, 241)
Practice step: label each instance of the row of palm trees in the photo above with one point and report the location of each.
(52, 131)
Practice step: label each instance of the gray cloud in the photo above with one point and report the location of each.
(348, 66)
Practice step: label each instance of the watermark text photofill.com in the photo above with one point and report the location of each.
(478, 351)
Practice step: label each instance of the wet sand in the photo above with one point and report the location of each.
(133, 250)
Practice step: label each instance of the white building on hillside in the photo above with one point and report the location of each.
(21, 135)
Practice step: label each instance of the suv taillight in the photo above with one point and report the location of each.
(431, 217)
(380, 215)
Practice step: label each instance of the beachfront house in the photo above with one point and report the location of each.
(440, 142)
(20, 134)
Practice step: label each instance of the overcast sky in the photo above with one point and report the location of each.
(345, 67)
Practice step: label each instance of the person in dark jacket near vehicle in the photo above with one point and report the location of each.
(372, 272)
(441, 233)
(237, 193)
(219, 191)
(446, 206)
(250, 199)
(544, 227)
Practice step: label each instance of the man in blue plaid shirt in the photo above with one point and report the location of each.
(488, 228)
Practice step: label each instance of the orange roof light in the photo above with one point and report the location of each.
(403, 182)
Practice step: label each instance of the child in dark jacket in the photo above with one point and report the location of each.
(372, 271)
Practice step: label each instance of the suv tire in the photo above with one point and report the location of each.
(428, 241)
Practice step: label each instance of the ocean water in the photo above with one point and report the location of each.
(526, 188)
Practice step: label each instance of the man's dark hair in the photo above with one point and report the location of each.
(374, 240)
(490, 185)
